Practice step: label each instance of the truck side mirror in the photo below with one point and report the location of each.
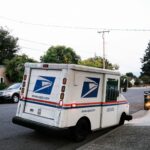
(124, 84)
(124, 89)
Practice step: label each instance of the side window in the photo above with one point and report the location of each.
(112, 90)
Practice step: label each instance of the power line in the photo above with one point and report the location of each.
(31, 48)
(130, 30)
(47, 25)
(30, 41)
(75, 27)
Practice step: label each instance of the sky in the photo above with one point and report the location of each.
(40, 24)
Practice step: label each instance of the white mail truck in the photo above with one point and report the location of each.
(76, 97)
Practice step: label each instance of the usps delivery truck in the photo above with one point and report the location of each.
(76, 97)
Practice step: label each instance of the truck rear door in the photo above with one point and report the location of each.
(43, 93)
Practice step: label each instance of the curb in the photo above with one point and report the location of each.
(91, 144)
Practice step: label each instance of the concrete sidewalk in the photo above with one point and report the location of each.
(134, 135)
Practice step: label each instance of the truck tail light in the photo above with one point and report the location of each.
(63, 89)
(64, 80)
(22, 90)
(23, 84)
(45, 65)
(60, 103)
(25, 77)
(62, 96)
(73, 105)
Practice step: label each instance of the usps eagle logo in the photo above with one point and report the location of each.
(90, 87)
(44, 85)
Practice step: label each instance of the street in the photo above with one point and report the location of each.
(135, 96)
(14, 137)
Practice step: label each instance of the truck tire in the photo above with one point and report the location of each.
(122, 119)
(15, 98)
(81, 130)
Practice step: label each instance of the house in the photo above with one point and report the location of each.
(132, 81)
(3, 78)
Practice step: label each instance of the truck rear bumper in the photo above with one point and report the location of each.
(128, 117)
(34, 125)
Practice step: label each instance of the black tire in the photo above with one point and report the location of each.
(122, 119)
(15, 98)
(81, 130)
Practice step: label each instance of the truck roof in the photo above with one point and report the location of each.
(71, 66)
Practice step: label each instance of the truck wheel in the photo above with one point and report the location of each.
(15, 98)
(122, 119)
(81, 130)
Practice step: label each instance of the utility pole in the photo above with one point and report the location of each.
(103, 37)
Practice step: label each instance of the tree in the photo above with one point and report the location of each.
(145, 74)
(130, 74)
(8, 45)
(146, 62)
(15, 67)
(138, 82)
(145, 79)
(98, 62)
(131, 79)
(60, 54)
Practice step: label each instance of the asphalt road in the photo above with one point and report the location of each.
(135, 96)
(14, 137)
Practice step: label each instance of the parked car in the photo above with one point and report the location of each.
(11, 93)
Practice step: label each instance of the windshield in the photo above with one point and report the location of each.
(14, 86)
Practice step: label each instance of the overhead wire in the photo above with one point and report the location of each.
(67, 27)
(74, 27)
(30, 48)
(30, 41)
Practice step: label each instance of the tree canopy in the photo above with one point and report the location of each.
(146, 61)
(98, 62)
(15, 67)
(130, 74)
(8, 45)
(145, 74)
(60, 54)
